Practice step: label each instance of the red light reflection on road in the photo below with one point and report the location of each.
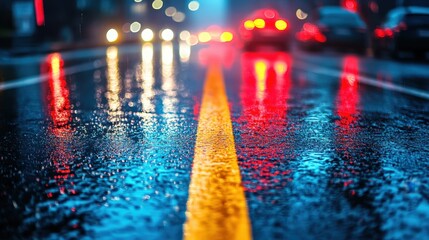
(60, 112)
(348, 95)
(59, 93)
(217, 54)
(264, 94)
(347, 109)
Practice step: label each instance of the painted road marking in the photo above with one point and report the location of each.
(216, 207)
(362, 79)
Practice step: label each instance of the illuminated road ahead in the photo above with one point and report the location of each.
(167, 142)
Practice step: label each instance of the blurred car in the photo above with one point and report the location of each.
(265, 26)
(334, 27)
(215, 34)
(405, 29)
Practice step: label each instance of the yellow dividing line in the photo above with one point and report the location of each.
(216, 207)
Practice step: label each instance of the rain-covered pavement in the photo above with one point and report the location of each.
(100, 143)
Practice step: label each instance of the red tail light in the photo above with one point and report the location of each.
(310, 28)
(350, 5)
(379, 33)
(382, 33)
(320, 37)
(311, 32)
(388, 32)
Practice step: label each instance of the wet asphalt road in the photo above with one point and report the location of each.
(100, 143)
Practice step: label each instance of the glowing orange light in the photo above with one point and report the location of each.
(249, 25)
(226, 37)
(259, 23)
(281, 25)
(280, 67)
(204, 37)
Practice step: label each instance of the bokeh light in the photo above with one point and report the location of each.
(259, 23)
(147, 35)
(194, 5)
(281, 25)
(167, 34)
(226, 37)
(192, 40)
(135, 27)
(185, 35)
(301, 15)
(179, 17)
(249, 25)
(112, 35)
(170, 11)
(204, 37)
(157, 4)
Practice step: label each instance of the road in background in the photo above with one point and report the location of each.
(100, 143)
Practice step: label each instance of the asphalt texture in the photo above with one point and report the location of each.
(100, 143)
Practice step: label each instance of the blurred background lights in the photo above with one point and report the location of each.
(137, 1)
(192, 40)
(170, 11)
(157, 4)
(135, 27)
(147, 35)
(167, 34)
(249, 25)
(184, 35)
(112, 35)
(226, 37)
(204, 37)
(259, 23)
(301, 15)
(281, 25)
(194, 5)
(179, 17)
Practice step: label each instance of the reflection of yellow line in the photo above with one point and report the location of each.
(216, 207)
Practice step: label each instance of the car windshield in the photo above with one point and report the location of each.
(417, 19)
(341, 19)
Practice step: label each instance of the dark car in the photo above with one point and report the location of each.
(263, 27)
(334, 27)
(405, 29)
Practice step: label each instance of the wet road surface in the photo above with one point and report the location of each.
(143, 142)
